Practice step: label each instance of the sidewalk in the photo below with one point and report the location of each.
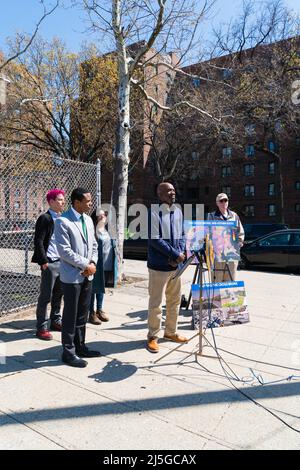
(123, 401)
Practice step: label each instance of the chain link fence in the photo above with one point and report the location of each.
(25, 178)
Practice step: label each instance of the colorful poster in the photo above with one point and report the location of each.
(223, 304)
(219, 238)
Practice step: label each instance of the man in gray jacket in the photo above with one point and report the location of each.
(78, 250)
(225, 214)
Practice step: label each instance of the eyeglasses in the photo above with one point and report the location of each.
(223, 200)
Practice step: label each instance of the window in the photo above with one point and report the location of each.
(272, 146)
(271, 191)
(296, 239)
(298, 141)
(297, 185)
(271, 210)
(250, 151)
(195, 156)
(281, 239)
(297, 163)
(271, 168)
(226, 190)
(297, 207)
(194, 175)
(34, 205)
(226, 171)
(227, 152)
(278, 126)
(153, 111)
(227, 73)
(130, 188)
(249, 211)
(249, 169)
(17, 193)
(155, 69)
(17, 205)
(249, 190)
(250, 129)
(196, 82)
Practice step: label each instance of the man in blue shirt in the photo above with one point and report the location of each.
(166, 246)
(46, 255)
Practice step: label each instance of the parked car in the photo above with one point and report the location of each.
(135, 249)
(280, 249)
(16, 234)
(257, 230)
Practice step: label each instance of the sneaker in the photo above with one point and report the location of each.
(102, 315)
(152, 345)
(44, 334)
(176, 338)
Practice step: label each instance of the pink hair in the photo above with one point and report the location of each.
(53, 193)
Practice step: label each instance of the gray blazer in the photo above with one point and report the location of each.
(74, 250)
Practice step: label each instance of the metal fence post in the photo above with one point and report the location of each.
(98, 183)
(26, 230)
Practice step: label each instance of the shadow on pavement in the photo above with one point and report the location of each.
(114, 371)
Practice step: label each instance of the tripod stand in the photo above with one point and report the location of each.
(200, 272)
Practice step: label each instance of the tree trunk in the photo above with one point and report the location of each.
(121, 156)
(121, 162)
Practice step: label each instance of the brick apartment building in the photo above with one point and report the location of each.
(262, 186)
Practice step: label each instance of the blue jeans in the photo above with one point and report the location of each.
(99, 301)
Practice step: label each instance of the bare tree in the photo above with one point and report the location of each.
(23, 41)
(47, 107)
(156, 25)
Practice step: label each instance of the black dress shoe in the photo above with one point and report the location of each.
(74, 361)
(88, 353)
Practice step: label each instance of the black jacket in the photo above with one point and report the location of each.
(44, 228)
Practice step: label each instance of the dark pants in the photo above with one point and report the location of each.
(76, 305)
(50, 291)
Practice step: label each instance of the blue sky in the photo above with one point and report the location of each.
(69, 24)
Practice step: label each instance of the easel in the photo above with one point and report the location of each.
(199, 275)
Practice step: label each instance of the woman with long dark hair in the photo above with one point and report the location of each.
(106, 271)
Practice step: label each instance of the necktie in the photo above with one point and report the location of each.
(84, 227)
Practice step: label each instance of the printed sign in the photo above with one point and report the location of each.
(219, 238)
(223, 304)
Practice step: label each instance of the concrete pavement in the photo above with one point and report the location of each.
(125, 401)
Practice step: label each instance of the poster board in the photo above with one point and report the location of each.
(223, 304)
(220, 236)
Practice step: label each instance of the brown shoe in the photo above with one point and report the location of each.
(176, 338)
(152, 345)
(93, 318)
(102, 315)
